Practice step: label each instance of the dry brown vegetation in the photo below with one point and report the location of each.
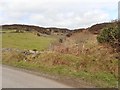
(84, 44)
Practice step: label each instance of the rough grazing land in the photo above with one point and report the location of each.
(26, 41)
(78, 56)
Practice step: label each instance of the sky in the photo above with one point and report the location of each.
(70, 14)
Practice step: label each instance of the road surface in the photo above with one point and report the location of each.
(0, 76)
(13, 78)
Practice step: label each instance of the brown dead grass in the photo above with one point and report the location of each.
(94, 57)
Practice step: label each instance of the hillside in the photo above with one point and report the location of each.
(95, 29)
(66, 53)
(30, 28)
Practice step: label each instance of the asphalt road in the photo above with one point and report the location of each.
(0, 76)
(13, 78)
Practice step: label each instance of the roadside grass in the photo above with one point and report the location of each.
(26, 41)
(67, 65)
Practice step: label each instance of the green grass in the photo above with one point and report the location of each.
(25, 41)
(7, 31)
(0, 40)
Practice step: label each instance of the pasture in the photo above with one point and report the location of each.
(26, 41)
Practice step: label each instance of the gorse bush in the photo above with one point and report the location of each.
(111, 36)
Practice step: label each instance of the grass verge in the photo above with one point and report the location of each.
(66, 65)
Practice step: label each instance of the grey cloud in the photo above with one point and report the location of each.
(59, 13)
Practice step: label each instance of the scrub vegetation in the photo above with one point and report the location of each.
(83, 55)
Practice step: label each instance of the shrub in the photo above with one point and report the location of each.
(61, 40)
(110, 35)
(68, 35)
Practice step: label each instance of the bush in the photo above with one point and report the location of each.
(61, 40)
(68, 35)
(110, 35)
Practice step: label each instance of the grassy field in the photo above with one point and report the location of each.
(26, 41)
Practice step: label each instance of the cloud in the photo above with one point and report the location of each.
(57, 13)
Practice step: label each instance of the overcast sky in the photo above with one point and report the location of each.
(58, 13)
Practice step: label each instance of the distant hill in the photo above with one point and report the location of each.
(35, 28)
(95, 29)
